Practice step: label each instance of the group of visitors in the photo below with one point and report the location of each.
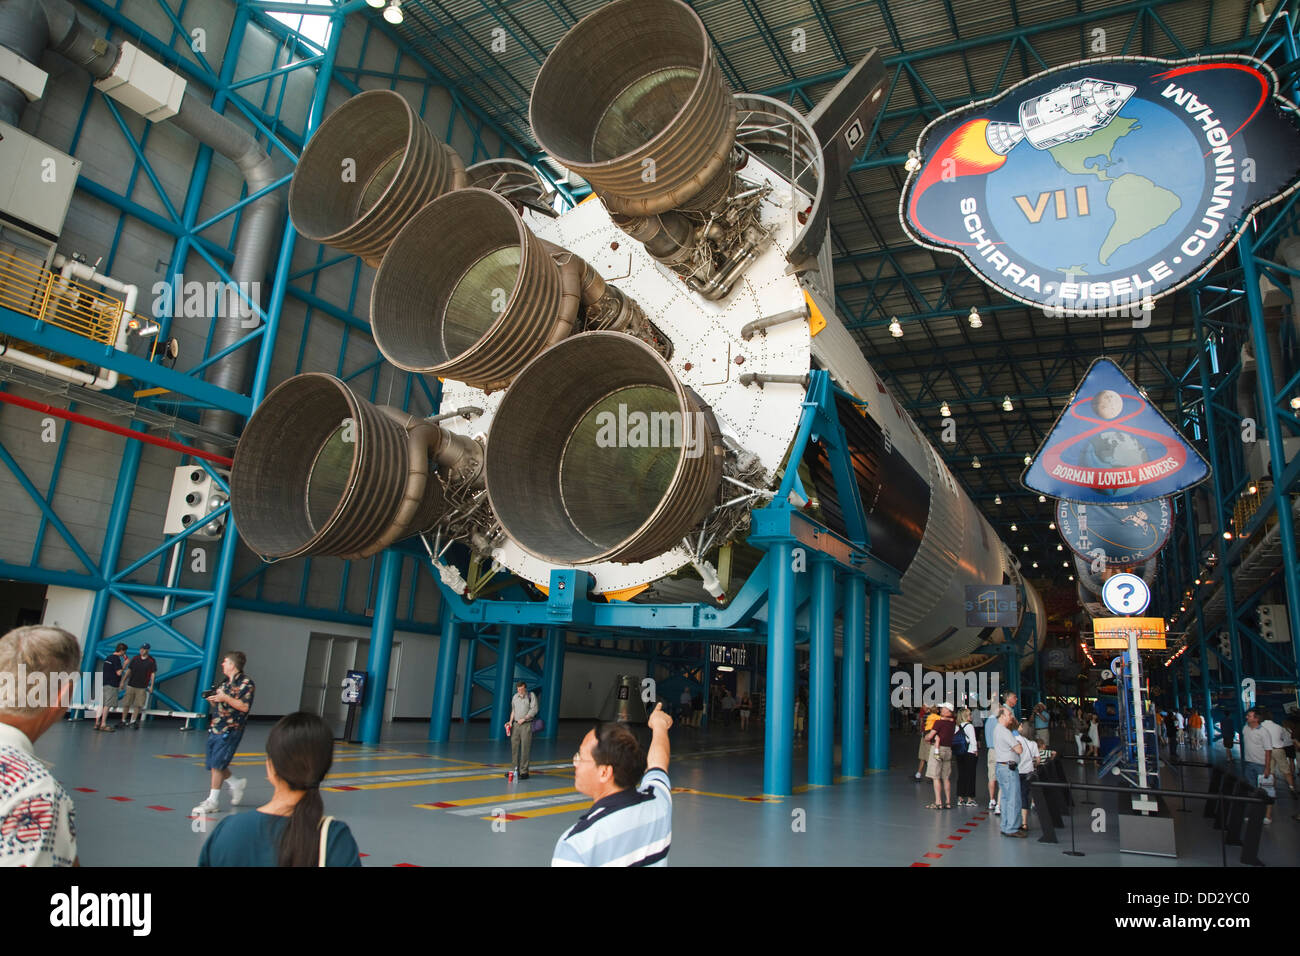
(951, 741)
(128, 683)
(628, 824)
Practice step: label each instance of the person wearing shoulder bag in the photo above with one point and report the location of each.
(290, 829)
(965, 750)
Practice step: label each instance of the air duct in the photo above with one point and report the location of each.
(623, 460)
(468, 292)
(320, 471)
(370, 166)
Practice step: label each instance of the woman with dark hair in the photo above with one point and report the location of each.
(291, 828)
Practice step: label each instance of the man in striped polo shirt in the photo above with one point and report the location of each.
(630, 823)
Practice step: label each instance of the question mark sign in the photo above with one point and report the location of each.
(1121, 590)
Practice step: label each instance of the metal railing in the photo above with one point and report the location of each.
(46, 296)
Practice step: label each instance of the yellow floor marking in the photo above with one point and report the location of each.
(423, 782)
(728, 796)
(521, 795)
(381, 773)
(579, 804)
(247, 763)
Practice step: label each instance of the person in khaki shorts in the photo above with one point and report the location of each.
(140, 673)
(939, 766)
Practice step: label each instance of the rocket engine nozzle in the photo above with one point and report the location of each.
(320, 471)
(632, 100)
(369, 167)
(468, 292)
(599, 453)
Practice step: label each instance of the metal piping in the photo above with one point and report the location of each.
(55, 24)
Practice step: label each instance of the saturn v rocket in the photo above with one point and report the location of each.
(622, 383)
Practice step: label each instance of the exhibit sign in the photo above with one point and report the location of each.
(1112, 633)
(1098, 187)
(1125, 594)
(1124, 536)
(992, 605)
(1112, 446)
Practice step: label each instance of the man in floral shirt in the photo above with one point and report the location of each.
(38, 824)
(231, 703)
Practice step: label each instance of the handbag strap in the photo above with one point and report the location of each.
(324, 838)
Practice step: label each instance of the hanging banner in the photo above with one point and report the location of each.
(1111, 446)
(1100, 186)
(1126, 535)
(1111, 633)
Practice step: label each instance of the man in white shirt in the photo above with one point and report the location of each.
(1257, 753)
(37, 818)
(1006, 752)
(1279, 738)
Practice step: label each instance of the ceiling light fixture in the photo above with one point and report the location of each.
(1028, 460)
(975, 462)
(1025, 548)
(1295, 403)
(393, 12)
(376, 3)
(1042, 499)
(1013, 528)
(1006, 403)
(944, 410)
(974, 319)
(895, 329)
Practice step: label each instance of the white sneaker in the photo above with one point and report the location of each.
(998, 812)
(1268, 820)
(918, 775)
(993, 804)
(207, 806)
(237, 785)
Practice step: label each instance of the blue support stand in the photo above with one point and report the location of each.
(381, 647)
(503, 689)
(778, 751)
(878, 691)
(444, 684)
(552, 681)
(853, 680)
(821, 703)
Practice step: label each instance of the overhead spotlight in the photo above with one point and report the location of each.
(1014, 528)
(913, 161)
(1006, 403)
(895, 329)
(1227, 536)
(944, 410)
(975, 462)
(1025, 548)
(1065, 564)
(1295, 403)
(1182, 607)
(1028, 461)
(1051, 526)
(974, 318)
(1071, 577)
(997, 499)
(1198, 582)
(1253, 489)
(1060, 547)
(393, 12)
(1035, 564)
(376, 3)
(142, 326)
(1042, 499)
(1262, 12)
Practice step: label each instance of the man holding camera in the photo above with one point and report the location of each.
(231, 702)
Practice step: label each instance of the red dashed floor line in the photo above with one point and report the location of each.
(122, 799)
(969, 827)
(163, 809)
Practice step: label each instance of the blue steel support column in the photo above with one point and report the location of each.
(444, 684)
(878, 686)
(821, 698)
(552, 682)
(1276, 453)
(853, 677)
(381, 646)
(503, 689)
(117, 515)
(467, 684)
(778, 732)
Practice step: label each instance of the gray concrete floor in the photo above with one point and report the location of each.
(410, 802)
